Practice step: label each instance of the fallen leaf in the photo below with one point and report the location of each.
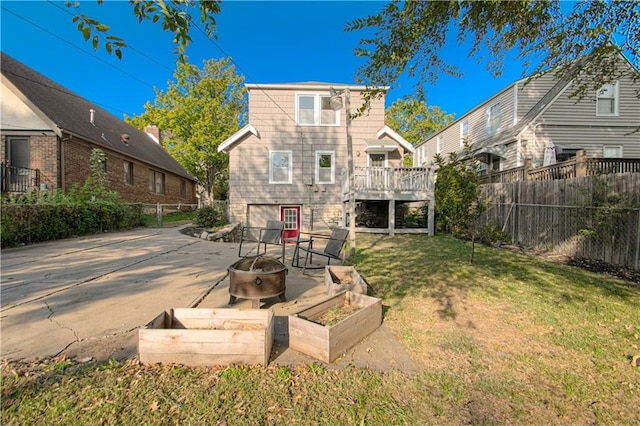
(154, 406)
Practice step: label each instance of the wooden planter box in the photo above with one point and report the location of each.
(204, 337)
(343, 278)
(327, 343)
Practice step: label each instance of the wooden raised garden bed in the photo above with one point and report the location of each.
(354, 316)
(204, 337)
(343, 278)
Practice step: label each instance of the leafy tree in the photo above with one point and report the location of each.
(175, 16)
(457, 192)
(200, 109)
(415, 121)
(409, 37)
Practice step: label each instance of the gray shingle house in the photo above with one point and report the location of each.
(290, 162)
(519, 122)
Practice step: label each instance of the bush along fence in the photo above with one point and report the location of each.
(34, 223)
(593, 218)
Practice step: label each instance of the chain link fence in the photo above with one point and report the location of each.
(598, 234)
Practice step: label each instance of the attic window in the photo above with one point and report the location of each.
(607, 100)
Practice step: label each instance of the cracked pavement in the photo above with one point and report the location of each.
(86, 297)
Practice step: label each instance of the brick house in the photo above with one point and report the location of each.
(48, 134)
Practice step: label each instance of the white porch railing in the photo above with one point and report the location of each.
(374, 179)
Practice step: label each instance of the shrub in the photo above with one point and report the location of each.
(44, 221)
(208, 216)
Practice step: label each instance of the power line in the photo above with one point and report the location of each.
(244, 72)
(133, 49)
(82, 50)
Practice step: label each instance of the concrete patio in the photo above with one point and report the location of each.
(85, 298)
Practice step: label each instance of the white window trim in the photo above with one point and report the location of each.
(616, 100)
(290, 177)
(618, 147)
(333, 167)
(462, 135)
(317, 110)
(439, 144)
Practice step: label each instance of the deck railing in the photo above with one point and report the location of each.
(18, 179)
(576, 167)
(374, 179)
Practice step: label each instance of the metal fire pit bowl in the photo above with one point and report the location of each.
(258, 277)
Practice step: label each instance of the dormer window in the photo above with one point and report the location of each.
(314, 110)
(607, 100)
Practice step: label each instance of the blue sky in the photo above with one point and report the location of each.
(269, 42)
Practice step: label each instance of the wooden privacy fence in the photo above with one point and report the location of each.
(595, 217)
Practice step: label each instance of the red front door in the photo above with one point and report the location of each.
(290, 215)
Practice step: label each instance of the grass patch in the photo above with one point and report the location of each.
(508, 340)
(169, 219)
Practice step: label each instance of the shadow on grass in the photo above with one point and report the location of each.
(438, 267)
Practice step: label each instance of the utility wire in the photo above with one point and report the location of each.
(133, 49)
(83, 51)
(243, 71)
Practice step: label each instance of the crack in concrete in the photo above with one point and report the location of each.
(75, 334)
(53, 256)
(200, 298)
(4, 309)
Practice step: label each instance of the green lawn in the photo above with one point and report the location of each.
(508, 340)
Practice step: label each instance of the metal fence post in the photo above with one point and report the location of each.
(637, 260)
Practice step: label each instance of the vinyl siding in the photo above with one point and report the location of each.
(574, 123)
(477, 125)
(272, 113)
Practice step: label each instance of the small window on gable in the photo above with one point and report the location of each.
(607, 100)
(439, 145)
(464, 132)
(280, 167)
(325, 167)
(612, 151)
(128, 172)
(314, 110)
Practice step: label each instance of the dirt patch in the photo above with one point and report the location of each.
(336, 314)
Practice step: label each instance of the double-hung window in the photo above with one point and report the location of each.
(314, 110)
(156, 182)
(128, 172)
(325, 167)
(493, 118)
(183, 188)
(464, 132)
(439, 144)
(280, 167)
(607, 100)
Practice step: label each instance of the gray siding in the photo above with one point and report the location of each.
(272, 111)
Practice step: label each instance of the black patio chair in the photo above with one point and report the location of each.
(334, 244)
(271, 234)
